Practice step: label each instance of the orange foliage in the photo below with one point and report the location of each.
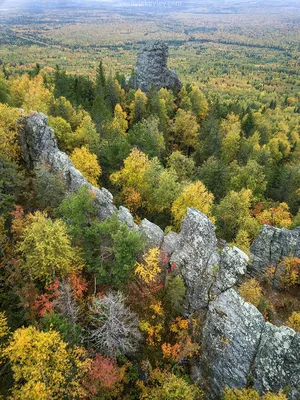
(104, 378)
(44, 302)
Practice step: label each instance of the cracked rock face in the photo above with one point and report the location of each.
(270, 247)
(231, 337)
(39, 145)
(206, 271)
(277, 363)
(151, 68)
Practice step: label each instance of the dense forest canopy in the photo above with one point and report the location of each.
(88, 310)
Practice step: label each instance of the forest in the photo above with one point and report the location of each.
(87, 309)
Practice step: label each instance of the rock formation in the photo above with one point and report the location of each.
(39, 146)
(151, 68)
(270, 247)
(238, 347)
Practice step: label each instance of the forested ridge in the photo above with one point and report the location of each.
(88, 310)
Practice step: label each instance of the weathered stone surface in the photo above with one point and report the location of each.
(170, 243)
(277, 363)
(39, 145)
(271, 245)
(125, 216)
(206, 271)
(231, 337)
(151, 68)
(154, 235)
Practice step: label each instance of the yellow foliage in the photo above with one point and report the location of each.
(179, 324)
(250, 394)
(170, 352)
(132, 175)
(277, 216)
(31, 94)
(165, 385)
(194, 195)
(43, 366)
(87, 164)
(251, 291)
(8, 131)
(150, 268)
(120, 120)
(185, 129)
(291, 271)
(46, 250)
(153, 331)
(294, 321)
(157, 308)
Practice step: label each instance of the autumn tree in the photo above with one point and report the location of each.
(185, 130)
(46, 250)
(294, 321)
(113, 327)
(148, 270)
(12, 183)
(182, 165)
(104, 378)
(120, 123)
(9, 131)
(87, 164)
(278, 215)
(85, 134)
(138, 109)
(194, 195)
(199, 103)
(132, 175)
(168, 386)
(63, 132)
(231, 138)
(251, 291)
(234, 213)
(250, 394)
(251, 176)
(31, 94)
(146, 136)
(43, 366)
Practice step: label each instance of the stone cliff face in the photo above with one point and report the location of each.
(238, 348)
(151, 68)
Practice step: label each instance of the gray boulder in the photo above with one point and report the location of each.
(277, 362)
(39, 146)
(206, 271)
(151, 68)
(125, 216)
(231, 337)
(154, 235)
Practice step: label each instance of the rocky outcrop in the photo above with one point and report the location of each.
(231, 338)
(207, 271)
(39, 146)
(270, 247)
(238, 347)
(151, 68)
